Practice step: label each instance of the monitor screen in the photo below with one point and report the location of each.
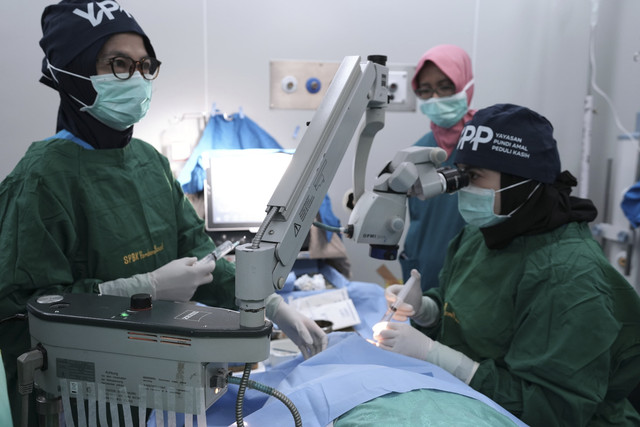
(239, 185)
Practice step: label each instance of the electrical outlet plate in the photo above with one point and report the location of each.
(302, 84)
(401, 93)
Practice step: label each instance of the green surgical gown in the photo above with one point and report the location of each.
(72, 218)
(555, 328)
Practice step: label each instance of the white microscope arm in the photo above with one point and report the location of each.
(263, 265)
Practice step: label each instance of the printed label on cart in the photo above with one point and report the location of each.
(193, 315)
(75, 370)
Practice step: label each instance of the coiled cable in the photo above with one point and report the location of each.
(245, 382)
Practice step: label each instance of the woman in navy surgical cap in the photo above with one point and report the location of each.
(528, 310)
(92, 209)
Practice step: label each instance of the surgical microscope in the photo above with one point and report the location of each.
(107, 352)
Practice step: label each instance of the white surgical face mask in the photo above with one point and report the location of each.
(119, 103)
(475, 205)
(447, 111)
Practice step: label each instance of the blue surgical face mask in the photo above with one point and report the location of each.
(446, 112)
(119, 103)
(475, 205)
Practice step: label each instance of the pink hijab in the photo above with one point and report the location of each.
(455, 63)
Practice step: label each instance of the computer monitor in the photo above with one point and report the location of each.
(238, 186)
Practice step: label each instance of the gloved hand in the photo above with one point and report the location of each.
(404, 339)
(179, 279)
(174, 281)
(412, 301)
(421, 309)
(304, 332)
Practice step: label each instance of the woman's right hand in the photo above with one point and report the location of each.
(410, 306)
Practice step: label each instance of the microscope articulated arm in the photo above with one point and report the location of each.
(263, 265)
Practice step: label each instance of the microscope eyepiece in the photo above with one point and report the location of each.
(453, 178)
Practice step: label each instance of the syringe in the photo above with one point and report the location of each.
(415, 278)
(220, 251)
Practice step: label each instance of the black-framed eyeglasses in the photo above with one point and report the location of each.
(427, 92)
(123, 67)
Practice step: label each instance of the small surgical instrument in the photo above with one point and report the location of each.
(415, 277)
(221, 251)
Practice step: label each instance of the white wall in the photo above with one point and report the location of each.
(531, 52)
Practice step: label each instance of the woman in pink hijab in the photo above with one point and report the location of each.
(443, 84)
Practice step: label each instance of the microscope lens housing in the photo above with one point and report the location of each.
(453, 178)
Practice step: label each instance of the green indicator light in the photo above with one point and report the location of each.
(124, 314)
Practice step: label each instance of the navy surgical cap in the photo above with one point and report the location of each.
(71, 26)
(512, 139)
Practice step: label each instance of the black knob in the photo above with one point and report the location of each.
(140, 302)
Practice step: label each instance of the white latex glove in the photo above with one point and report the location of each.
(412, 302)
(304, 332)
(174, 281)
(179, 279)
(422, 310)
(404, 339)
(138, 284)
